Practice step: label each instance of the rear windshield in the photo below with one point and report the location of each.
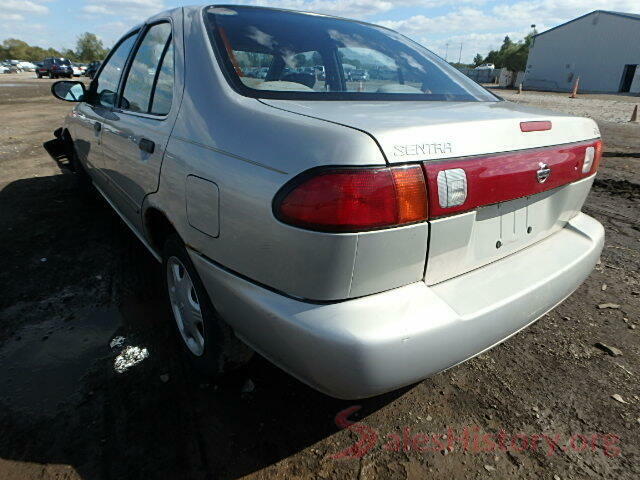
(61, 61)
(289, 55)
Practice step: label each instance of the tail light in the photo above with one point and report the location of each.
(361, 199)
(592, 157)
(354, 199)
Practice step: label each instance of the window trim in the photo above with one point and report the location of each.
(125, 72)
(92, 97)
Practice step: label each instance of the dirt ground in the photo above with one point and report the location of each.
(72, 277)
(601, 107)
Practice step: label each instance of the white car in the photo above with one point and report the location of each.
(361, 240)
(26, 66)
(77, 70)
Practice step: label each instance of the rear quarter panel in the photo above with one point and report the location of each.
(249, 150)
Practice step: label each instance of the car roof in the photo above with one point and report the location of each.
(192, 8)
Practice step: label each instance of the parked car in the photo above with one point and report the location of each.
(4, 69)
(359, 76)
(10, 67)
(78, 69)
(262, 72)
(26, 66)
(15, 65)
(486, 66)
(92, 68)
(55, 67)
(361, 243)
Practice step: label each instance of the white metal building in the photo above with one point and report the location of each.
(602, 48)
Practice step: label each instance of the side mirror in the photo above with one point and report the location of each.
(69, 91)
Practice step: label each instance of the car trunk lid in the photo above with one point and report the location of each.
(416, 131)
(523, 180)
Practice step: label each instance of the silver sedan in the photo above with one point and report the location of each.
(360, 235)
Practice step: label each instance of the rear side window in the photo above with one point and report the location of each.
(149, 83)
(106, 86)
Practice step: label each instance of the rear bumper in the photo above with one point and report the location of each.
(366, 346)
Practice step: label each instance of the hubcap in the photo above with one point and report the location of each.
(185, 306)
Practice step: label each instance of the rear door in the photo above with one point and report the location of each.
(136, 134)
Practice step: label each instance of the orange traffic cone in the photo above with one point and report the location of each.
(634, 115)
(574, 92)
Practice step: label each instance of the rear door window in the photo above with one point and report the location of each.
(149, 83)
(162, 95)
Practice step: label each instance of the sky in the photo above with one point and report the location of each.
(452, 29)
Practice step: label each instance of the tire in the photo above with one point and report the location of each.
(38, 75)
(210, 345)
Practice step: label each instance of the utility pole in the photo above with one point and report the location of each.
(446, 52)
(460, 56)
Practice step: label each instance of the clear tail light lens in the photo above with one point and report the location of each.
(354, 199)
(452, 187)
(589, 156)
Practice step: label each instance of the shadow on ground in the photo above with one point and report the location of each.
(73, 278)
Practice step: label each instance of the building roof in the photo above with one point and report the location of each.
(632, 16)
(635, 16)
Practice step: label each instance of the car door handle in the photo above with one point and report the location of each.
(97, 127)
(146, 145)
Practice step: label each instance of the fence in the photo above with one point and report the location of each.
(500, 76)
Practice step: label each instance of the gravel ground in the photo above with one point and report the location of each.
(79, 291)
(602, 108)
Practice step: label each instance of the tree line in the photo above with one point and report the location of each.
(88, 49)
(511, 55)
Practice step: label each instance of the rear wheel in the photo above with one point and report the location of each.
(207, 341)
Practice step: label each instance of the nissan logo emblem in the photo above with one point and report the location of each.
(543, 172)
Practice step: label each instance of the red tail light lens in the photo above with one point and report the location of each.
(352, 200)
